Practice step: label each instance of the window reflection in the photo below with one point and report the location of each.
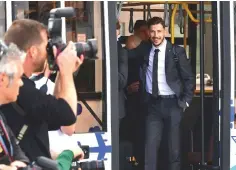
(37, 10)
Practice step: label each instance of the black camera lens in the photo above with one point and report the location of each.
(93, 165)
(88, 49)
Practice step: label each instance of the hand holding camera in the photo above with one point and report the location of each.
(67, 60)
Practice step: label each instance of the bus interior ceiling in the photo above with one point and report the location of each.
(183, 28)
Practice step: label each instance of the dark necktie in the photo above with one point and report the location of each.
(154, 74)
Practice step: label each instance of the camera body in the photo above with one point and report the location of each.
(88, 49)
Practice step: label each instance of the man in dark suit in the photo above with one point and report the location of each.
(165, 92)
(122, 73)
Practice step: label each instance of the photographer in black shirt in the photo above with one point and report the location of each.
(38, 111)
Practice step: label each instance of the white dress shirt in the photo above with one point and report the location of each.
(163, 87)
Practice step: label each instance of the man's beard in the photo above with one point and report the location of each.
(158, 39)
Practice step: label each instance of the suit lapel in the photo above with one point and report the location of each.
(168, 55)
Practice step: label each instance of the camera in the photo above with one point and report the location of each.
(42, 163)
(88, 165)
(88, 49)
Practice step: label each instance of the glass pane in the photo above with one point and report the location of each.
(208, 60)
(37, 10)
(89, 81)
(86, 25)
(2, 18)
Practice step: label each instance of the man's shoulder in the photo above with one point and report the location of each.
(27, 82)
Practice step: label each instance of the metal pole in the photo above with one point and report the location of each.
(112, 78)
(215, 52)
(202, 85)
(225, 37)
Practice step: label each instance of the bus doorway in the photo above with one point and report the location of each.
(198, 29)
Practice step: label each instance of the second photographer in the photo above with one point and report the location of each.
(35, 110)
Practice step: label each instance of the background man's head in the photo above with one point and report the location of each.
(11, 70)
(141, 29)
(156, 26)
(31, 37)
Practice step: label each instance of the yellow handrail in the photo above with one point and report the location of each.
(185, 6)
(173, 24)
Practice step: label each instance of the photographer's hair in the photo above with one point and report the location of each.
(155, 21)
(24, 33)
(9, 57)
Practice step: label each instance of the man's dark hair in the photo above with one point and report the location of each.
(24, 33)
(155, 21)
(139, 23)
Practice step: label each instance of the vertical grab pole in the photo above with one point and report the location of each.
(202, 88)
(215, 53)
(225, 84)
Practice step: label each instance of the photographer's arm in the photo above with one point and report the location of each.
(65, 87)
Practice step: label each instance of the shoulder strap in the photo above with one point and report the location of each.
(7, 149)
(24, 127)
(176, 59)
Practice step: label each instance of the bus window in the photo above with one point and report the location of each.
(89, 81)
(37, 10)
(3, 18)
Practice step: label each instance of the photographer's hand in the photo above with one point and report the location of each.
(78, 153)
(5, 167)
(18, 164)
(67, 60)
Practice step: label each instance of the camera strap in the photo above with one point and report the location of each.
(4, 137)
(24, 127)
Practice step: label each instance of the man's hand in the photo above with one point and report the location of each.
(18, 164)
(67, 60)
(78, 152)
(134, 87)
(5, 167)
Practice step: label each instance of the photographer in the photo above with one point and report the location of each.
(41, 112)
(11, 70)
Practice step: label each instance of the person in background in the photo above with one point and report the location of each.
(122, 72)
(11, 70)
(135, 109)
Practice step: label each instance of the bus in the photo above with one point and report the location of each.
(207, 34)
